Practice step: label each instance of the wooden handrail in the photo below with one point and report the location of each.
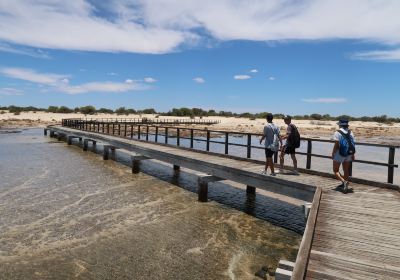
(303, 255)
(87, 125)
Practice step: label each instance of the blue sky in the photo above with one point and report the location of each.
(295, 57)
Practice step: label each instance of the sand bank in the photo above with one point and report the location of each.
(367, 131)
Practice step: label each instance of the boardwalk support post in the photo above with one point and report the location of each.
(136, 161)
(106, 151)
(306, 209)
(85, 143)
(203, 186)
(250, 190)
(60, 136)
(70, 137)
(176, 167)
(284, 270)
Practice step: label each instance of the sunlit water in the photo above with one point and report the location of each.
(67, 214)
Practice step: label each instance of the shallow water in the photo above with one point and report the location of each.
(67, 214)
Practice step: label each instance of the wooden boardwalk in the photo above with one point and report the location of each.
(348, 236)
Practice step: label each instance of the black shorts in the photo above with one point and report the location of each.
(269, 153)
(289, 150)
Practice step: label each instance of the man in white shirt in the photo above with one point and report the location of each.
(272, 137)
(343, 152)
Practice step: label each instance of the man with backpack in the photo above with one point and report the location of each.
(343, 152)
(292, 143)
(272, 137)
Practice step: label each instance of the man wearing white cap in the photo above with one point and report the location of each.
(343, 152)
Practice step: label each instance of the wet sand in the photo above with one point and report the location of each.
(67, 214)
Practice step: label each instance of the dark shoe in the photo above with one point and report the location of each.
(345, 187)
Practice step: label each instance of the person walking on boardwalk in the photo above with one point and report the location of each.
(292, 143)
(343, 152)
(272, 137)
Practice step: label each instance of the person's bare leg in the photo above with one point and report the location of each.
(271, 165)
(282, 160)
(266, 164)
(294, 161)
(346, 170)
(336, 166)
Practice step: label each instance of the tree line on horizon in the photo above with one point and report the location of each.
(191, 112)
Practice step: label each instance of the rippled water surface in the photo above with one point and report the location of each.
(67, 214)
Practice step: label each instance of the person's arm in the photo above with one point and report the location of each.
(353, 157)
(263, 136)
(335, 148)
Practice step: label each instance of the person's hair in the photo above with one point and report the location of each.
(270, 117)
(344, 126)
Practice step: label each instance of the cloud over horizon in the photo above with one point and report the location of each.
(199, 80)
(242, 77)
(162, 26)
(61, 83)
(325, 100)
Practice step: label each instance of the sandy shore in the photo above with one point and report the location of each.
(366, 131)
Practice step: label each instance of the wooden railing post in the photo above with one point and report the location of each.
(208, 141)
(178, 137)
(191, 138)
(156, 136)
(147, 133)
(351, 169)
(125, 129)
(131, 131)
(119, 129)
(138, 132)
(226, 143)
(248, 145)
(166, 135)
(309, 151)
(392, 151)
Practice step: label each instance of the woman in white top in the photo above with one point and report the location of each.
(340, 159)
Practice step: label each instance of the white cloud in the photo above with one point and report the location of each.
(23, 51)
(387, 55)
(73, 25)
(325, 100)
(271, 78)
(253, 71)
(101, 87)
(150, 80)
(112, 74)
(60, 83)
(161, 26)
(241, 77)
(10, 91)
(32, 76)
(199, 80)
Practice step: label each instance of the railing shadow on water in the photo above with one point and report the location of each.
(243, 145)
